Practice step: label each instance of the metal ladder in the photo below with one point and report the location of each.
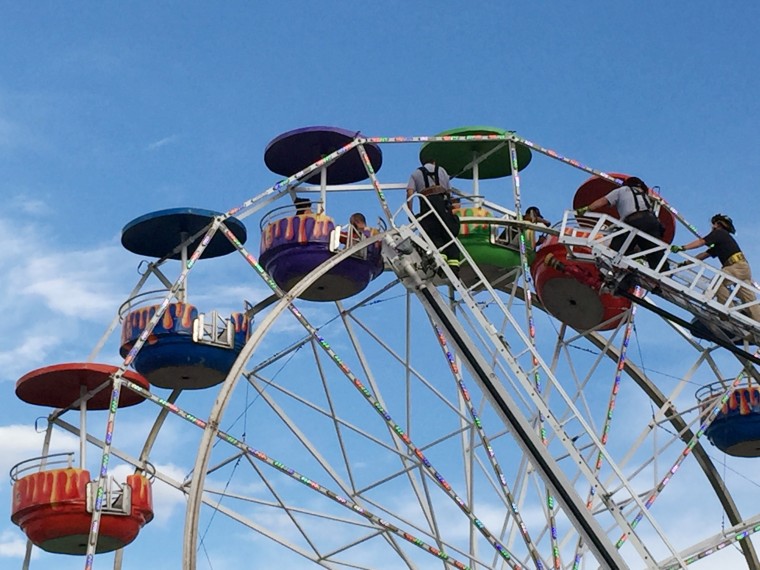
(420, 266)
(688, 283)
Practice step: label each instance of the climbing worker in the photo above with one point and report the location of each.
(721, 244)
(635, 207)
(436, 214)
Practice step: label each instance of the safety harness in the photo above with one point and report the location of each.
(426, 175)
(439, 198)
(639, 192)
(640, 195)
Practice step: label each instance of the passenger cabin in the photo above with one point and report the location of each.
(735, 430)
(186, 348)
(53, 505)
(53, 500)
(570, 288)
(297, 239)
(492, 241)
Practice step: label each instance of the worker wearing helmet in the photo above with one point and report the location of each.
(721, 244)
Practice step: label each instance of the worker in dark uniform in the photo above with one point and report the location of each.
(432, 181)
(721, 244)
(635, 207)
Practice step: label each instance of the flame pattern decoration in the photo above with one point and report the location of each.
(176, 320)
(741, 402)
(473, 229)
(300, 229)
(51, 508)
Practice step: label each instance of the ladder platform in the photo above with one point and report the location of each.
(686, 282)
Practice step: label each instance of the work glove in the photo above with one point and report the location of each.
(676, 248)
(581, 211)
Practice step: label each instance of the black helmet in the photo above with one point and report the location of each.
(725, 221)
(535, 210)
(635, 181)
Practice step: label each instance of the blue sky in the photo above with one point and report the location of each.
(109, 111)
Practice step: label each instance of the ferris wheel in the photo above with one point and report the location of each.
(552, 404)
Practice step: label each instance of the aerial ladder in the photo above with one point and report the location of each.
(681, 279)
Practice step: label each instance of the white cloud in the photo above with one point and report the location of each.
(12, 545)
(21, 442)
(51, 297)
(18, 242)
(227, 299)
(81, 284)
(30, 205)
(32, 350)
(167, 500)
(73, 284)
(162, 142)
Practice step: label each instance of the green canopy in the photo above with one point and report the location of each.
(455, 156)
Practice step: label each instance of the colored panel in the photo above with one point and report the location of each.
(289, 264)
(296, 230)
(455, 156)
(158, 233)
(55, 488)
(58, 386)
(177, 319)
(473, 229)
(298, 149)
(741, 402)
(142, 498)
(242, 328)
(476, 239)
(486, 253)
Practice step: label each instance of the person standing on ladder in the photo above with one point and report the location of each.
(721, 244)
(635, 207)
(436, 214)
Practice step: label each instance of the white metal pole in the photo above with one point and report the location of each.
(182, 293)
(476, 178)
(323, 189)
(82, 426)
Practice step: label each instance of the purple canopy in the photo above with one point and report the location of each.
(295, 150)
